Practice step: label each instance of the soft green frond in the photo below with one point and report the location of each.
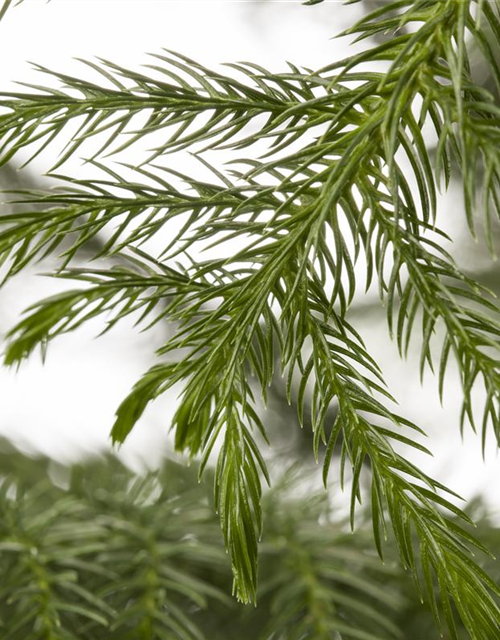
(175, 94)
(362, 185)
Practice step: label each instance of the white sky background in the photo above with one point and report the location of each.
(66, 406)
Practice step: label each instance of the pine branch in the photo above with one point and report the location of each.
(292, 282)
(190, 91)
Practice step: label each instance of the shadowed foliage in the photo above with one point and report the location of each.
(93, 550)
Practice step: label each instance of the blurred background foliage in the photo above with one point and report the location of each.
(94, 550)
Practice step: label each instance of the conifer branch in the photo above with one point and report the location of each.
(307, 216)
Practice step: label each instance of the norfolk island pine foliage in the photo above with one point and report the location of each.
(347, 176)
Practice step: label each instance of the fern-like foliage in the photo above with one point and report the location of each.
(106, 557)
(95, 551)
(346, 176)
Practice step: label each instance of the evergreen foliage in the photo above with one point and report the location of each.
(346, 176)
(95, 551)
